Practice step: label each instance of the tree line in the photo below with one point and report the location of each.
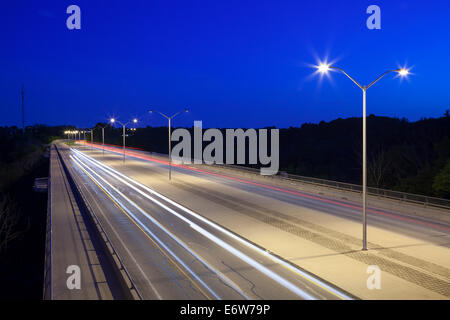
(401, 155)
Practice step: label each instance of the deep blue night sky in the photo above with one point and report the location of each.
(234, 63)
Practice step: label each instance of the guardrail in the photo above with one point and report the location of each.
(47, 286)
(391, 194)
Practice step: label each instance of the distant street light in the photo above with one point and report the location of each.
(170, 135)
(71, 134)
(323, 68)
(112, 120)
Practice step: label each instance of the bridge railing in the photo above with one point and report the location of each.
(391, 194)
(47, 285)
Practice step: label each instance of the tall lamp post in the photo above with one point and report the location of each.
(324, 68)
(169, 118)
(103, 138)
(112, 120)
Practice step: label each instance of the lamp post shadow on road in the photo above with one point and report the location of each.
(324, 68)
(169, 118)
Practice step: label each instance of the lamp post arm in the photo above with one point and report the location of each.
(120, 123)
(174, 115)
(356, 82)
(167, 117)
(376, 80)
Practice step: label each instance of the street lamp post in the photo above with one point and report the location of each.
(112, 120)
(324, 68)
(103, 141)
(170, 135)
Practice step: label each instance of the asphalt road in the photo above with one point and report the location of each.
(173, 252)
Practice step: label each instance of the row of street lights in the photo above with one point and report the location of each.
(114, 120)
(322, 68)
(72, 134)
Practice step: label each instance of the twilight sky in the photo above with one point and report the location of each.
(233, 63)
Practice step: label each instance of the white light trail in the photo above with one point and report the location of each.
(77, 160)
(303, 274)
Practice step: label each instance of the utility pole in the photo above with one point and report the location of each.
(23, 109)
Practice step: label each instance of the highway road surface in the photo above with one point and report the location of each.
(174, 251)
